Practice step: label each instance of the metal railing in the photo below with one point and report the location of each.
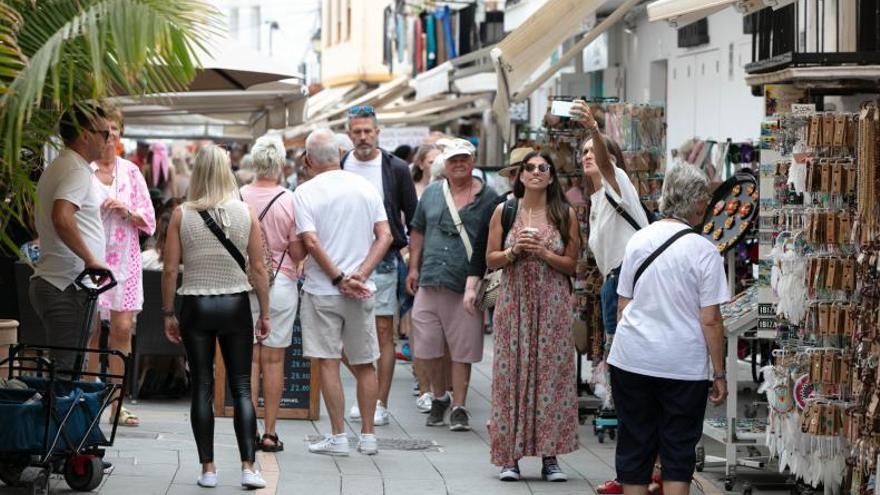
(814, 32)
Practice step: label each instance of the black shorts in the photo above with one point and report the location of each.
(657, 415)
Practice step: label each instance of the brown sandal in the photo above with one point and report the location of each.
(276, 445)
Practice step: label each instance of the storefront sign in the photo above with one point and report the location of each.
(392, 137)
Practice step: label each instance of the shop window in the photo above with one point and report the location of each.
(694, 34)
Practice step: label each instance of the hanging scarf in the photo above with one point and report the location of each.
(160, 164)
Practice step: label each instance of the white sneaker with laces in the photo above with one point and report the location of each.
(331, 445)
(368, 444)
(423, 403)
(355, 413)
(207, 480)
(381, 417)
(252, 479)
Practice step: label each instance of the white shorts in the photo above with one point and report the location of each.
(283, 300)
(332, 325)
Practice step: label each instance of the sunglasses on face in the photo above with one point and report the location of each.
(362, 110)
(543, 167)
(105, 133)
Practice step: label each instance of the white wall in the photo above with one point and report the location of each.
(707, 96)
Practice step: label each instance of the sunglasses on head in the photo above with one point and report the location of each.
(105, 133)
(542, 167)
(362, 110)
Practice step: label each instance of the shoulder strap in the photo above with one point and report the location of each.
(266, 209)
(462, 232)
(215, 229)
(645, 264)
(619, 209)
(508, 217)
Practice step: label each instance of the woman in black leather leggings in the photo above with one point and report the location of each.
(211, 233)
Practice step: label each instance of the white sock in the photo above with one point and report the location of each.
(445, 397)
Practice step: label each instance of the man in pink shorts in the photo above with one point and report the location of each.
(448, 216)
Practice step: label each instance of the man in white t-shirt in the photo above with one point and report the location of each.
(669, 326)
(392, 179)
(68, 221)
(342, 223)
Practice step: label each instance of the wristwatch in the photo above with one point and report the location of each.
(720, 376)
(338, 279)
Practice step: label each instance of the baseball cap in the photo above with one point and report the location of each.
(516, 157)
(455, 146)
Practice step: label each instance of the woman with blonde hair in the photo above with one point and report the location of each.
(213, 233)
(275, 204)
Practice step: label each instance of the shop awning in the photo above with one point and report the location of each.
(253, 112)
(683, 12)
(519, 55)
(377, 97)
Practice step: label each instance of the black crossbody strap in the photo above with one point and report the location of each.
(215, 229)
(645, 264)
(619, 209)
(266, 209)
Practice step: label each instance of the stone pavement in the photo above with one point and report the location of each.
(159, 457)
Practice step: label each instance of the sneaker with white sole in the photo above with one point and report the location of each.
(355, 413)
(381, 416)
(252, 480)
(367, 444)
(423, 403)
(552, 472)
(509, 473)
(459, 419)
(331, 445)
(207, 480)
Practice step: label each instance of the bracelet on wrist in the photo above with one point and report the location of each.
(508, 253)
(720, 376)
(338, 279)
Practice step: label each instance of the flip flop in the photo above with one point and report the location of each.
(128, 418)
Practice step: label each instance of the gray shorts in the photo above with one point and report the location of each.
(333, 323)
(385, 278)
(62, 313)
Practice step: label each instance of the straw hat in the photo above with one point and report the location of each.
(516, 157)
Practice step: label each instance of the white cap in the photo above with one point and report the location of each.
(455, 146)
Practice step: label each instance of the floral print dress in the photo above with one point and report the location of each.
(534, 396)
(123, 250)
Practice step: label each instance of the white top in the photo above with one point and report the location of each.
(370, 170)
(609, 231)
(150, 260)
(69, 177)
(210, 269)
(659, 332)
(342, 209)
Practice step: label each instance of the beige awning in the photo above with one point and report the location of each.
(683, 12)
(377, 97)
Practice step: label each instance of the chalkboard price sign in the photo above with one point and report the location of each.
(299, 395)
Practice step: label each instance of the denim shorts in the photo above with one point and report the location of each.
(385, 277)
(608, 295)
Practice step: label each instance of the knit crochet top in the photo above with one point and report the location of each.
(210, 269)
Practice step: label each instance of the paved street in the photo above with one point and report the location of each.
(160, 456)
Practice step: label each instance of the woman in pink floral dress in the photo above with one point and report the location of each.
(534, 398)
(126, 212)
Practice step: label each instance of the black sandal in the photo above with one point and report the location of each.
(277, 445)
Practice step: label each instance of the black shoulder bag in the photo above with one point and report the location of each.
(218, 232)
(657, 252)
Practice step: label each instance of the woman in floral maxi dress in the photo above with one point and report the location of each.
(126, 211)
(534, 397)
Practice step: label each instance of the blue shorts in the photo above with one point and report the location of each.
(385, 278)
(608, 296)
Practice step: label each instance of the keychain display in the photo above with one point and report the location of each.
(732, 211)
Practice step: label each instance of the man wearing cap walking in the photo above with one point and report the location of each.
(447, 219)
(391, 177)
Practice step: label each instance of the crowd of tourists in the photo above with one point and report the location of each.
(361, 244)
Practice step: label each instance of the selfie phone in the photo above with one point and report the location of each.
(561, 108)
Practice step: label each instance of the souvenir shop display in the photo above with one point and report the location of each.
(732, 211)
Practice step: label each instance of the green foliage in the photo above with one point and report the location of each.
(55, 54)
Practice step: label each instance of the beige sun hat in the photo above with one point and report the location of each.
(516, 157)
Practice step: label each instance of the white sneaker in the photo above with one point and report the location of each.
(252, 479)
(381, 417)
(355, 413)
(207, 480)
(331, 445)
(368, 444)
(423, 403)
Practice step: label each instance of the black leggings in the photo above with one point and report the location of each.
(203, 321)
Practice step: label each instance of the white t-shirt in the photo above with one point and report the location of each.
(659, 332)
(69, 177)
(341, 208)
(370, 170)
(609, 231)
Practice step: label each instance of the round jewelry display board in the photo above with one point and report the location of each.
(732, 211)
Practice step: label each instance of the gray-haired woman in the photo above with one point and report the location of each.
(669, 326)
(274, 206)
